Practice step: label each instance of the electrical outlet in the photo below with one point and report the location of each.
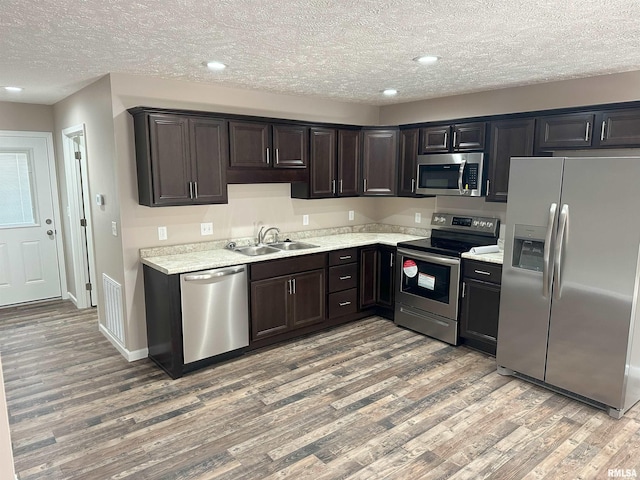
(114, 229)
(418, 217)
(305, 219)
(206, 228)
(351, 215)
(162, 233)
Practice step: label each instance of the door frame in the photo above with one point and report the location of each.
(83, 265)
(55, 199)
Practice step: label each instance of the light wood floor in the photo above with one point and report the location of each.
(363, 401)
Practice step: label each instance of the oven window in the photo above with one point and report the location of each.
(438, 176)
(426, 279)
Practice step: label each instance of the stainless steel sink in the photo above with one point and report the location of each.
(292, 245)
(254, 250)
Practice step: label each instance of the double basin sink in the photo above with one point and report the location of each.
(255, 250)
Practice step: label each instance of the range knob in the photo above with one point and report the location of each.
(483, 223)
(490, 224)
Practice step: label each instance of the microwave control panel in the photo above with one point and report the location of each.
(470, 181)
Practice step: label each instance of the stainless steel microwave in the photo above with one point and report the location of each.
(450, 174)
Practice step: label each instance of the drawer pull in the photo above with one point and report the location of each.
(346, 257)
(482, 272)
(346, 277)
(344, 304)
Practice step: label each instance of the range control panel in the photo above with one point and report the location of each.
(465, 223)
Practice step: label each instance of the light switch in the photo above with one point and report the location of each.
(305, 219)
(114, 229)
(351, 215)
(99, 199)
(418, 217)
(162, 233)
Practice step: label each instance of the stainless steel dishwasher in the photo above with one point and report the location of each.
(215, 312)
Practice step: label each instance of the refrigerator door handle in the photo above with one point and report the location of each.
(460, 174)
(547, 268)
(562, 231)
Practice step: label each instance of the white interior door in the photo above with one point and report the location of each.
(29, 260)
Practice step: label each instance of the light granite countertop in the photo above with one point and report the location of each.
(496, 257)
(220, 257)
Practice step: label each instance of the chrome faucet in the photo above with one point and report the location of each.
(262, 234)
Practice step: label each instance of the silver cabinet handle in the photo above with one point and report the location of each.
(277, 156)
(454, 139)
(482, 272)
(340, 186)
(460, 173)
(546, 266)
(294, 286)
(586, 132)
(191, 190)
(344, 304)
(345, 257)
(212, 274)
(487, 187)
(604, 124)
(391, 259)
(564, 220)
(267, 156)
(195, 190)
(364, 182)
(446, 135)
(333, 187)
(289, 282)
(413, 185)
(346, 277)
(464, 289)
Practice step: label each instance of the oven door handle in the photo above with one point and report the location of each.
(460, 174)
(428, 257)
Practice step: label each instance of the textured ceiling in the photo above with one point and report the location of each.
(347, 50)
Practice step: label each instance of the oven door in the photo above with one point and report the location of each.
(429, 282)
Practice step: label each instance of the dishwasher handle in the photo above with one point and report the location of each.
(212, 274)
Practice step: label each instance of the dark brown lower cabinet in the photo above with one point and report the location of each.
(377, 279)
(480, 305)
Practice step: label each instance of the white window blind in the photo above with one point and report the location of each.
(16, 192)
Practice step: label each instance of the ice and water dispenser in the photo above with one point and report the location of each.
(528, 247)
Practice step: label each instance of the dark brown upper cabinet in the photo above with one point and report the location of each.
(181, 159)
(407, 163)
(379, 161)
(265, 145)
(507, 138)
(460, 137)
(564, 131)
(619, 128)
(333, 164)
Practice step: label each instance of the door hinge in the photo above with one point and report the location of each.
(88, 286)
(78, 155)
(83, 222)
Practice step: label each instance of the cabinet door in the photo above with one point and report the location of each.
(249, 144)
(170, 159)
(468, 136)
(269, 307)
(291, 146)
(322, 176)
(209, 156)
(620, 129)
(385, 289)
(508, 138)
(368, 275)
(307, 298)
(564, 131)
(407, 167)
(479, 314)
(379, 162)
(435, 139)
(348, 163)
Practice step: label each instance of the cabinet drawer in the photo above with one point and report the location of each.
(483, 271)
(286, 266)
(340, 257)
(343, 303)
(343, 277)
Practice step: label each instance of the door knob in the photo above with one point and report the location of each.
(49, 232)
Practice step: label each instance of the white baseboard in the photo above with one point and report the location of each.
(129, 356)
(73, 299)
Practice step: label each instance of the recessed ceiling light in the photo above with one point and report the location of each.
(13, 89)
(390, 92)
(216, 66)
(426, 59)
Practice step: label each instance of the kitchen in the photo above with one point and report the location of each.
(103, 105)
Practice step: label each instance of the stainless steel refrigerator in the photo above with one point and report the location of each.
(568, 305)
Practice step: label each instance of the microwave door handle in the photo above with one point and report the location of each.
(460, 173)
